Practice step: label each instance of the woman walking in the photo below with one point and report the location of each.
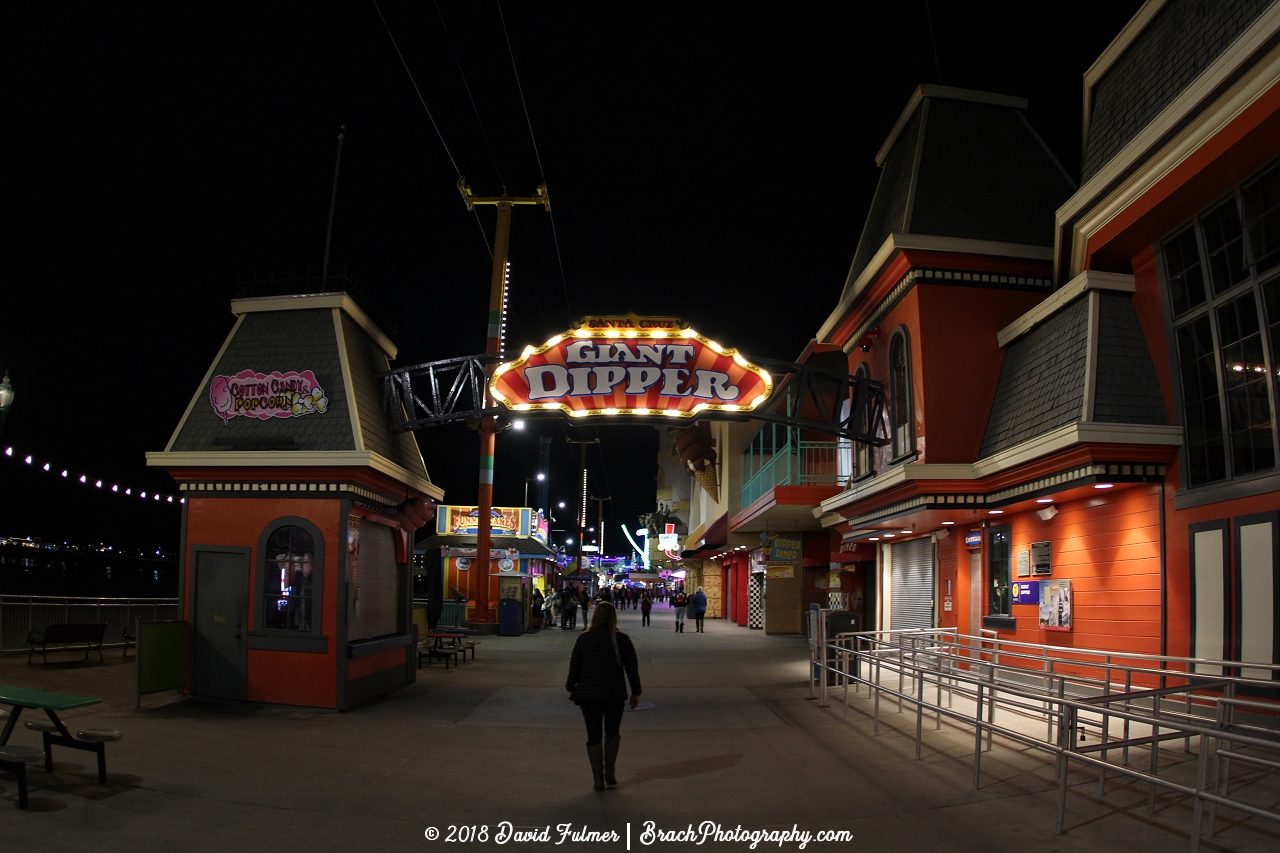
(645, 606)
(681, 603)
(603, 662)
(698, 609)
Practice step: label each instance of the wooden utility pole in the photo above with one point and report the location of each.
(582, 509)
(497, 328)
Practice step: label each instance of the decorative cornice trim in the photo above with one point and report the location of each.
(295, 458)
(928, 243)
(1020, 454)
(1063, 296)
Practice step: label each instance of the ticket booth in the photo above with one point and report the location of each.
(516, 561)
(295, 572)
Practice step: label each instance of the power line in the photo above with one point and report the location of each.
(432, 118)
(542, 173)
(470, 97)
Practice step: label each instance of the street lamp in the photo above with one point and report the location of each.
(539, 477)
(6, 399)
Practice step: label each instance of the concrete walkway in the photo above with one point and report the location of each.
(732, 739)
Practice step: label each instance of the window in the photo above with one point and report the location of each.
(900, 394)
(290, 582)
(999, 602)
(862, 451)
(287, 596)
(1226, 330)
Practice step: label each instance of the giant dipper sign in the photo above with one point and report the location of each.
(631, 366)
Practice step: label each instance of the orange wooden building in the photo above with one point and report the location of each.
(295, 576)
(1081, 379)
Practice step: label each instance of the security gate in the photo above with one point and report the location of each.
(911, 597)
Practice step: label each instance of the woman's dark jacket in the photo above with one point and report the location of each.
(594, 672)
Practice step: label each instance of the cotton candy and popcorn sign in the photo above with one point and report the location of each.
(262, 396)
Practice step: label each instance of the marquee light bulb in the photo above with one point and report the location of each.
(28, 460)
(8, 451)
(83, 478)
(582, 333)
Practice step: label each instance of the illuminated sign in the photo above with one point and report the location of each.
(503, 521)
(783, 549)
(670, 540)
(631, 365)
(267, 395)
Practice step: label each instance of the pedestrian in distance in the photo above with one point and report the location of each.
(681, 603)
(603, 662)
(569, 618)
(645, 606)
(698, 609)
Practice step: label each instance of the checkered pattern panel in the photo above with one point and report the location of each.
(755, 601)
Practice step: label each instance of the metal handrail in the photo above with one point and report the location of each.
(20, 614)
(931, 658)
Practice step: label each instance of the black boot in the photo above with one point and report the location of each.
(611, 744)
(595, 754)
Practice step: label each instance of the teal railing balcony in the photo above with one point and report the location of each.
(777, 458)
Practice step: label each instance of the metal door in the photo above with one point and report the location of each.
(911, 597)
(221, 609)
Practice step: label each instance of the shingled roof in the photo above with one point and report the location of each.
(963, 164)
(1182, 39)
(328, 335)
(1045, 375)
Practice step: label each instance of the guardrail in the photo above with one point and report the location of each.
(799, 463)
(452, 613)
(1075, 692)
(20, 614)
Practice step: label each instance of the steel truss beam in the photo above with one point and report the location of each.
(412, 396)
(404, 389)
(824, 393)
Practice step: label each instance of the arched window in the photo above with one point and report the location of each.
(900, 394)
(290, 583)
(862, 450)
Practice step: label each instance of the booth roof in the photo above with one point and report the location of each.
(526, 545)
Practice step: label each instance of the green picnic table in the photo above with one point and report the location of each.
(91, 740)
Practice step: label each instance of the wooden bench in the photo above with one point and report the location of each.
(68, 637)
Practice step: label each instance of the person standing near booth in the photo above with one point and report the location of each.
(603, 662)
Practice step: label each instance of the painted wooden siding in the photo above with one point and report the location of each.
(1109, 546)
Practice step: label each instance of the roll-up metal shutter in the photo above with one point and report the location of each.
(911, 597)
(376, 575)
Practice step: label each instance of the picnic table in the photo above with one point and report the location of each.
(54, 733)
(437, 648)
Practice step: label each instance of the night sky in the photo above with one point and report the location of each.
(702, 160)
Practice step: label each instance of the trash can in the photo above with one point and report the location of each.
(509, 617)
(842, 622)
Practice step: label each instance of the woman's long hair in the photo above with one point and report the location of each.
(606, 619)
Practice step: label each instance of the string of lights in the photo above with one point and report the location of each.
(91, 481)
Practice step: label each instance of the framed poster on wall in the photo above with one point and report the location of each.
(1055, 605)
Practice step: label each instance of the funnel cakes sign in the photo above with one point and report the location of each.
(631, 365)
(262, 396)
